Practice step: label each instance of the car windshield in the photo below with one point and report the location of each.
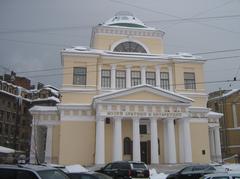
(52, 174)
(139, 165)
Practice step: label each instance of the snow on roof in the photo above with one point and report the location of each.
(6, 150)
(179, 56)
(75, 168)
(53, 91)
(142, 86)
(125, 19)
(230, 92)
(44, 108)
(212, 114)
(53, 98)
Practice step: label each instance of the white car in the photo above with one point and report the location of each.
(221, 176)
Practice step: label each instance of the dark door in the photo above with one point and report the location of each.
(144, 152)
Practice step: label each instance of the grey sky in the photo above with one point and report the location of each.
(32, 33)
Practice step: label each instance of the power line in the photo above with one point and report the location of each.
(164, 13)
(46, 29)
(90, 26)
(217, 51)
(194, 18)
(35, 43)
(178, 84)
(120, 62)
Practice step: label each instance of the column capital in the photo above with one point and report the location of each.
(118, 118)
(113, 66)
(143, 66)
(128, 66)
(157, 67)
(153, 118)
(100, 118)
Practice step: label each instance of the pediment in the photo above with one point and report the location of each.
(144, 96)
(143, 93)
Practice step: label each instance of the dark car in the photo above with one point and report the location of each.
(87, 175)
(126, 170)
(30, 172)
(192, 172)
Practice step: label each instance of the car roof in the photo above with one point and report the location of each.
(222, 174)
(128, 161)
(27, 167)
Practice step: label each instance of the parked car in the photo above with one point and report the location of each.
(192, 172)
(126, 170)
(30, 172)
(87, 175)
(221, 176)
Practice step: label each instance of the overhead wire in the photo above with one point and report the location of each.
(164, 13)
(125, 61)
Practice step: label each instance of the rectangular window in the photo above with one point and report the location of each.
(143, 129)
(120, 79)
(79, 75)
(150, 78)
(189, 80)
(106, 79)
(135, 78)
(164, 77)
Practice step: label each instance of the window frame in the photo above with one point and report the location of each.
(80, 78)
(120, 80)
(149, 79)
(164, 82)
(105, 79)
(129, 46)
(135, 80)
(189, 83)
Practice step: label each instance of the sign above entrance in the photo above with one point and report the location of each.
(142, 114)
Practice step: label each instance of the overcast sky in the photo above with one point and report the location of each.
(32, 33)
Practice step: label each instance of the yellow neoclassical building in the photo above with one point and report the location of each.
(124, 99)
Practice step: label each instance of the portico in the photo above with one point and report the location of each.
(171, 110)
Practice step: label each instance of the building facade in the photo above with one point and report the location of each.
(15, 118)
(124, 99)
(228, 103)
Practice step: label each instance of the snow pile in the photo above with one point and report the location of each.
(155, 175)
(6, 150)
(75, 168)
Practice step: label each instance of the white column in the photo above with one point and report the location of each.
(212, 144)
(217, 144)
(172, 142)
(181, 146)
(143, 75)
(99, 77)
(170, 77)
(113, 76)
(187, 141)
(235, 121)
(158, 80)
(136, 140)
(48, 150)
(33, 147)
(128, 76)
(100, 142)
(154, 142)
(117, 139)
(165, 130)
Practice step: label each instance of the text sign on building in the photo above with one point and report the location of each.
(142, 114)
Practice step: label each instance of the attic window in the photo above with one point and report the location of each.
(129, 47)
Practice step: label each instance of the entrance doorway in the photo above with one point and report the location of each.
(145, 152)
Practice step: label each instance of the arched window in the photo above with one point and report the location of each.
(127, 143)
(129, 47)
